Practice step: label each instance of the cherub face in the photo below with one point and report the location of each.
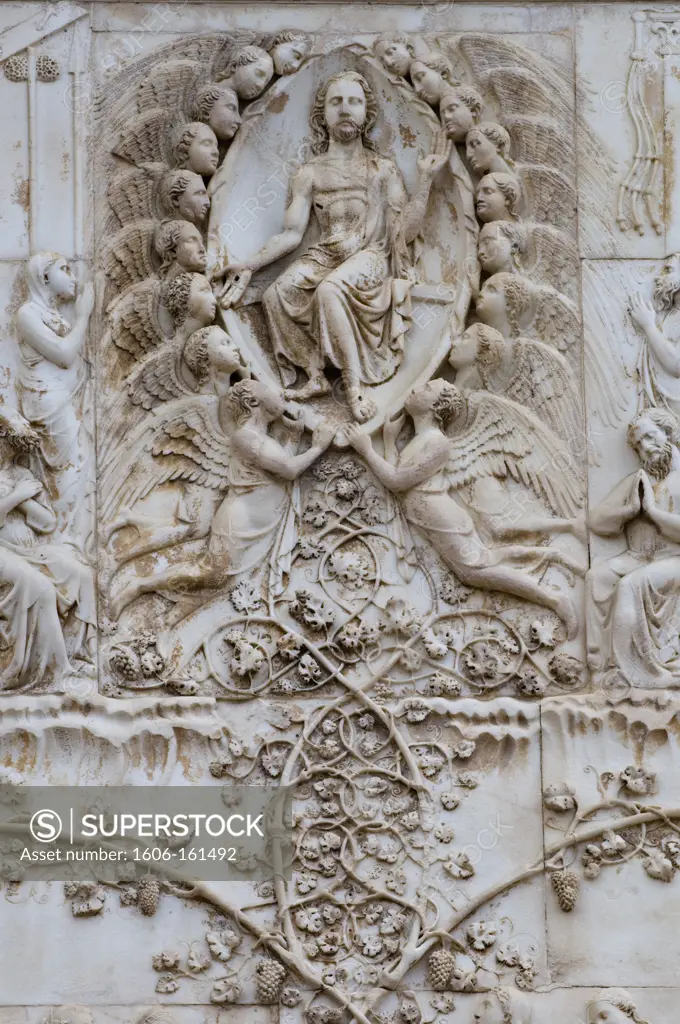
(60, 280)
(288, 57)
(428, 84)
(202, 302)
(250, 80)
(223, 355)
(494, 250)
(204, 155)
(345, 109)
(396, 57)
(421, 399)
(194, 202)
(491, 203)
(480, 151)
(224, 118)
(191, 254)
(603, 1012)
(490, 305)
(464, 351)
(456, 117)
(271, 399)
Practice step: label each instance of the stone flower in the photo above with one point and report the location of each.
(658, 866)
(482, 663)
(638, 781)
(225, 990)
(559, 797)
(449, 801)
(482, 934)
(459, 866)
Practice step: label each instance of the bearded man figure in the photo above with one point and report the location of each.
(659, 362)
(633, 599)
(345, 302)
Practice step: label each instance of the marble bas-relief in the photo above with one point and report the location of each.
(339, 443)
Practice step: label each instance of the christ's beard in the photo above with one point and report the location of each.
(345, 131)
(658, 464)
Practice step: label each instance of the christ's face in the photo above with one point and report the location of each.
(345, 109)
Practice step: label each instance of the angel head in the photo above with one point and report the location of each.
(19, 433)
(459, 111)
(179, 241)
(50, 278)
(196, 149)
(217, 105)
(189, 298)
(184, 194)
(396, 52)
(505, 302)
(497, 197)
(70, 1014)
(480, 346)
(210, 351)
(430, 76)
(667, 284)
(438, 400)
(345, 109)
(487, 148)
(288, 49)
(613, 1006)
(501, 244)
(653, 435)
(250, 72)
(502, 1006)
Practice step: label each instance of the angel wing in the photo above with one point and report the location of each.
(540, 140)
(556, 319)
(146, 138)
(135, 320)
(541, 380)
(549, 196)
(607, 376)
(182, 440)
(158, 378)
(555, 259)
(132, 194)
(497, 437)
(169, 85)
(129, 256)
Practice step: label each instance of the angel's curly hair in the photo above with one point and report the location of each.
(509, 229)
(448, 403)
(317, 118)
(290, 35)
(185, 136)
(241, 401)
(207, 97)
(470, 97)
(440, 64)
(490, 345)
(397, 39)
(175, 297)
(517, 294)
(246, 55)
(508, 186)
(166, 241)
(622, 1000)
(173, 186)
(196, 354)
(497, 134)
(18, 431)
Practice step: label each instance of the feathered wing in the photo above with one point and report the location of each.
(132, 194)
(169, 85)
(500, 438)
(549, 196)
(134, 319)
(541, 141)
(146, 138)
(555, 259)
(182, 440)
(129, 257)
(158, 377)
(604, 367)
(542, 381)
(556, 319)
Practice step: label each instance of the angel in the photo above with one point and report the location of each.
(180, 247)
(659, 359)
(487, 148)
(184, 195)
(149, 193)
(539, 251)
(396, 51)
(459, 111)
(288, 50)
(248, 470)
(431, 76)
(153, 137)
(249, 72)
(528, 372)
(217, 105)
(490, 439)
(515, 305)
(145, 249)
(180, 368)
(498, 197)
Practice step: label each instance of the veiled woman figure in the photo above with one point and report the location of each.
(51, 382)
